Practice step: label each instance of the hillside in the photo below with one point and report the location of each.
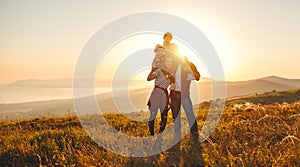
(261, 133)
(288, 96)
(281, 80)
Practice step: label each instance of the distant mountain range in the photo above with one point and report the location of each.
(261, 85)
(138, 97)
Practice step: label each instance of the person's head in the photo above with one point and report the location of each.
(159, 49)
(168, 37)
(169, 62)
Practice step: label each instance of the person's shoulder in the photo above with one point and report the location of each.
(192, 65)
(173, 44)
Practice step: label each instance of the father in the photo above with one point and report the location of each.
(186, 71)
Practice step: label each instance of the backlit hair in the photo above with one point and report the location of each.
(168, 34)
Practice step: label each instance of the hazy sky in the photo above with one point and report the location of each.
(42, 39)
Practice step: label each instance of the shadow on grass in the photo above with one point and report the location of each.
(188, 152)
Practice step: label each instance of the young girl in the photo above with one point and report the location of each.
(167, 42)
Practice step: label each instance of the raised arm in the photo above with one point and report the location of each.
(150, 75)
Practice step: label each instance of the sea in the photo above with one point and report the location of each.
(10, 95)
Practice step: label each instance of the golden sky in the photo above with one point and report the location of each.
(43, 39)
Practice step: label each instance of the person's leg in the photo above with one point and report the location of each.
(175, 107)
(188, 108)
(153, 113)
(158, 100)
(164, 117)
(163, 111)
(163, 108)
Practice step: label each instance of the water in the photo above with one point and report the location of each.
(9, 95)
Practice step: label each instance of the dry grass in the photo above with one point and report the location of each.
(247, 135)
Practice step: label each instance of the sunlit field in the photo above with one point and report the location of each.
(255, 130)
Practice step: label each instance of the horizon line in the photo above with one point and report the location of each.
(4, 83)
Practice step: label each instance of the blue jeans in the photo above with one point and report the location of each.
(176, 101)
(189, 111)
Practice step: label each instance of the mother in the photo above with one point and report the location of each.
(159, 97)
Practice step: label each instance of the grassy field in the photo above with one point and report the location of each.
(255, 130)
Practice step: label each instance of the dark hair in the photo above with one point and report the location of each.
(157, 47)
(168, 34)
